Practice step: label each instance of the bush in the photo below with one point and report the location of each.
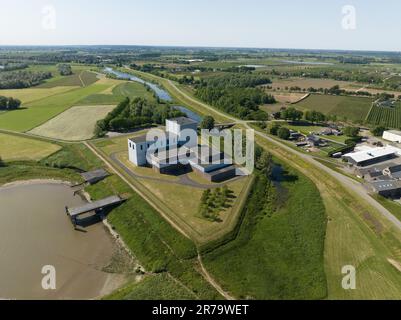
(284, 133)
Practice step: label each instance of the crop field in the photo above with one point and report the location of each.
(388, 117)
(14, 148)
(78, 79)
(345, 107)
(33, 94)
(305, 83)
(74, 124)
(38, 112)
(117, 93)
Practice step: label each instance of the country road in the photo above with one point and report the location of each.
(347, 182)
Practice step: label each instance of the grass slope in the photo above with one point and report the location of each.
(278, 256)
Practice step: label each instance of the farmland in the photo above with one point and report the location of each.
(74, 124)
(78, 79)
(344, 107)
(117, 93)
(36, 113)
(388, 117)
(13, 148)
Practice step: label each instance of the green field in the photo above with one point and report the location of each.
(36, 113)
(117, 94)
(78, 79)
(14, 148)
(33, 94)
(388, 117)
(344, 107)
(277, 255)
(74, 124)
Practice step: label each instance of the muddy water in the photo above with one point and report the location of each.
(35, 231)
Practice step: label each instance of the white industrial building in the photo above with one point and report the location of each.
(180, 136)
(392, 135)
(372, 156)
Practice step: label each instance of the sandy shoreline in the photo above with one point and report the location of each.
(33, 182)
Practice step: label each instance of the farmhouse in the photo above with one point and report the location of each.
(372, 156)
(181, 142)
(392, 135)
(313, 140)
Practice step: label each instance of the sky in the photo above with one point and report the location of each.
(306, 24)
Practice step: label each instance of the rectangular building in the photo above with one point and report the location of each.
(370, 157)
(392, 135)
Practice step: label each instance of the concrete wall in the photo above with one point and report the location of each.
(137, 153)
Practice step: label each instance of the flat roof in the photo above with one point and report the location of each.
(386, 185)
(96, 174)
(183, 121)
(397, 132)
(138, 139)
(375, 153)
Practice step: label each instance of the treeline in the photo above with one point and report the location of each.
(22, 79)
(236, 94)
(13, 66)
(296, 115)
(133, 114)
(9, 103)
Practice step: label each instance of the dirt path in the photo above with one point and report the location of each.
(213, 282)
(80, 79)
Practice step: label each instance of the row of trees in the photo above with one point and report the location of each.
(236, 94)
(22, 79)
(9, 103)
(296, 115)
(133, 114)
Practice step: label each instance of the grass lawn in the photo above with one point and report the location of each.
(14, 148)
(351, 108)
(36, 113)
(278, 256)
(74, 124)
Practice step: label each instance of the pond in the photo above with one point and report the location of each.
(190, 114)
(35, 232)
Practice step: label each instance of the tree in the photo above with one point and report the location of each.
(351, 131)
(3, 103)
(284, 133)
(274, 129)
(208, 123)
(292, 114)
(378, 131)
(65, 69)
(13, 103)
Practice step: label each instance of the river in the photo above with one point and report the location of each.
(35, 232)
(161, 93)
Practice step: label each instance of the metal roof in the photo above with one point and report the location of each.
(366, 155)
(183, 121)
(96, 174)
(386, 185)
